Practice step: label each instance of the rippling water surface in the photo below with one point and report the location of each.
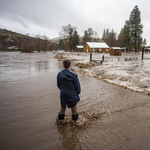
(29, 104)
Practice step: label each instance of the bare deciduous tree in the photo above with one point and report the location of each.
(67, 34)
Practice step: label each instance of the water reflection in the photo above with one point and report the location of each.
(69, 138)
(40, 65)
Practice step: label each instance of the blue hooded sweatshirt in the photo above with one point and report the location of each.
(68, 83)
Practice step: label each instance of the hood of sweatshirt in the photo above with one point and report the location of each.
(68, 74)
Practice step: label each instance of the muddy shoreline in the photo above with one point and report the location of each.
(86, 67)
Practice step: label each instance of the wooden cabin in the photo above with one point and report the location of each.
(79, 48)
(116, 51)
(96, 47)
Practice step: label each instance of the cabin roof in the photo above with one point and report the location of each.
(116, 47)
(97, 45)
(79, 46)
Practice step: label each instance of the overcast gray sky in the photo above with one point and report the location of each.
(48, 16)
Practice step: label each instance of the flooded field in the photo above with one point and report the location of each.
(127, 71)
(29, 104)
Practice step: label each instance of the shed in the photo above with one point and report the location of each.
(60, 50)
(96, 47)
(116, 51)
(79, 48)
(147, 49)
(124, 49)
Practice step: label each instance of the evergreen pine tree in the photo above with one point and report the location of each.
(75, 39)
(107, 33)
(111, 40)
(120, 38)
(144, 42)
(135, 28)
(61, 44)
(126, 35)
(104, 35)
(87, 36)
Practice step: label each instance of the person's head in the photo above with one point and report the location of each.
(66, 63)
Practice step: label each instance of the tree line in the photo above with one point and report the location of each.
(129, 36)
(69, 37)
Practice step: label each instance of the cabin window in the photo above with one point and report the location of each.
(107, 50)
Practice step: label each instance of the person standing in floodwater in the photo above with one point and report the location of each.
(69, 85)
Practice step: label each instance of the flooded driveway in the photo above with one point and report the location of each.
(29, 104)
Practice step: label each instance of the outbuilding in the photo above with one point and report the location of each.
(124, 49)
(147, 49)
(79, 48)
(96, 47)
(116, 51)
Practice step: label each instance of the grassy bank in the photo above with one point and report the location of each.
(9, 50)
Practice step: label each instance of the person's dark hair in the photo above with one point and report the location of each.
(66, 63)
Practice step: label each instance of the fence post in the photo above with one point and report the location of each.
(142, 53)
(103, 58)
(90, 57)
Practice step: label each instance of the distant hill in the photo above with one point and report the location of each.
(10, 38)
(10, 35)
(55, 40)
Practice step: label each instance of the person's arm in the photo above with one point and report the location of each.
(58, 81)
(77, 85)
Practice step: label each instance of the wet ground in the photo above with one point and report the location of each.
(29, 103)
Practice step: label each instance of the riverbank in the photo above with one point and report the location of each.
(127, 71)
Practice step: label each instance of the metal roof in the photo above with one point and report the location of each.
(79, 46)
(116, 47)
(97, 45)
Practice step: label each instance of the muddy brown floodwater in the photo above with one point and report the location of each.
(29, 104)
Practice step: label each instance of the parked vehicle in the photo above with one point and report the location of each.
(13, 48)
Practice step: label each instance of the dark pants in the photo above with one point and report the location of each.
(73, 109)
